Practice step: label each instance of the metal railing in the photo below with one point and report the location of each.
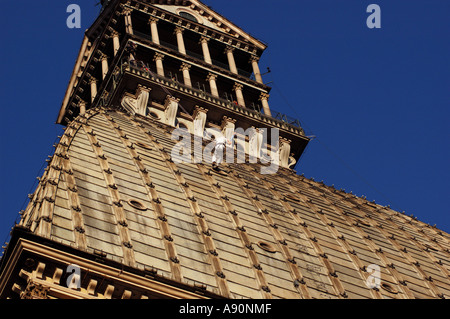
(285, 118)
(141, 69)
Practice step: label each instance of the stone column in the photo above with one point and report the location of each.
(212, 83)
(205, 48)
(154, 29)
(116, 42)
(128, 25)
(179, 33)
(104, 59)
(231, 62)
(254, 61)
(240, 97)
(264, 97)
(159, 65)
(93, 83)
(186, 76)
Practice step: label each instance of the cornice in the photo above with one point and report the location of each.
(45, 249)
(247, 44)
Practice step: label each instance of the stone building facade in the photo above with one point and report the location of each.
(131, 207)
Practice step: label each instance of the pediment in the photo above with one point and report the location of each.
(206, 16)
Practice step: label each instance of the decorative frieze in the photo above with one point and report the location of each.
(137, 104)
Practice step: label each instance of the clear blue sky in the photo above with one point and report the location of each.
(377, 99)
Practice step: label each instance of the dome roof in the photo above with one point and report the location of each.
(112, 187)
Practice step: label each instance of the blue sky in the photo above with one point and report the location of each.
(376, 99)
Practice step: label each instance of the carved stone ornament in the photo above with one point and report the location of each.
(200, 116)
(285, 151)
(255, 142)
(228, 126)
(136, 104)
(292, 161)
(171, 105)
(35, 291)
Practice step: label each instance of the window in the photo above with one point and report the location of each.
(137, 204)
(267, 247)
(143, 145)
(183, 126)
(389, 288)
(154, 115)
(188, 16)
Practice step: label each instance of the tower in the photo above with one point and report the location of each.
(131, 207)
